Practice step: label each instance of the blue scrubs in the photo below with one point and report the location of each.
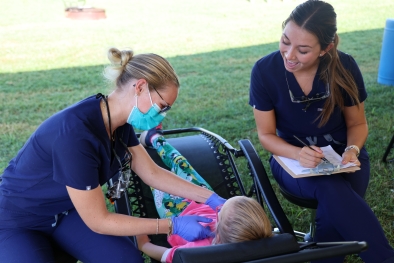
(342, 214)
(70, 148)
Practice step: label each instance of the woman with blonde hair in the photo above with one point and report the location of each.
(51, 192)
(240, 218)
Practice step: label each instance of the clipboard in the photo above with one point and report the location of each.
(293, 168)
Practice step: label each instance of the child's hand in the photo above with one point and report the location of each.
(142, 240)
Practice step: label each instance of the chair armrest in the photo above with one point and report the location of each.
(316, 251)
(238, 252)
(264, 187)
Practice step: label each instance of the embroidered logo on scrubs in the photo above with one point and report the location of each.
(319, 109)
(88, 187)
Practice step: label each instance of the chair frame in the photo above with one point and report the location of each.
(389, 148)
(310, 204)
(261, 189)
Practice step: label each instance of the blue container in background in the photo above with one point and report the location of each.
(386, 66)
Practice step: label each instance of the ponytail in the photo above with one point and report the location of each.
(334, 73)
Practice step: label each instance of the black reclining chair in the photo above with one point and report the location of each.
(214, 159)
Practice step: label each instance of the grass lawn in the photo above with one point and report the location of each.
(48, 62)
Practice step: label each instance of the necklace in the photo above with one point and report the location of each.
(116, 189)
(112, 135)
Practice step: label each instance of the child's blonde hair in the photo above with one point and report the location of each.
(240, 219)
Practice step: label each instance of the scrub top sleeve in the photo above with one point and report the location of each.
(358, 78)
(76, 163)
(259, 97)
(132, 139)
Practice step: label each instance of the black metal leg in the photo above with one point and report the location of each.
(388, 150)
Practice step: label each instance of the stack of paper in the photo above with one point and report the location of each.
(294, 168)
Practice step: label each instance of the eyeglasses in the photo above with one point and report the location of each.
(308, 100)
(165, 108)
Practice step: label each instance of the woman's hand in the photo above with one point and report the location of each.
(215, 201)
(310, 158)
(350, 157)
(189, 228)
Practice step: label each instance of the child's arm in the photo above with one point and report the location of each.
(150, 249)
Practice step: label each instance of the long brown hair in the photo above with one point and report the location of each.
(319, 18)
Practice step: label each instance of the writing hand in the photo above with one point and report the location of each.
(310, 156)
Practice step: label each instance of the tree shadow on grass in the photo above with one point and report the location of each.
(214, 89)
(214, 86)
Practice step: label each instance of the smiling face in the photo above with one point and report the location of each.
(299, 48)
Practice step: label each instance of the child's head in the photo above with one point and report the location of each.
(240, 219)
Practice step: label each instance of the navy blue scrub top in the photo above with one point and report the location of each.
(269, 91)
(70, 148)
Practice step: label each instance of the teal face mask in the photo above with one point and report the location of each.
(148, 120)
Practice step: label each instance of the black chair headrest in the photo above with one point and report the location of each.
(238, 252)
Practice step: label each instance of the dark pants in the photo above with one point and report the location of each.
(342, 214)
(25, 237)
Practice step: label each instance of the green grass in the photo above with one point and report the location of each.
(49, 62)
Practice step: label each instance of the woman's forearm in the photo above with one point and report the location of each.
(91, 206)
(357, 126)
(357, 135)
(164, 180)
(278, 146)
(178, 186)
(266, 130)
(125, 225)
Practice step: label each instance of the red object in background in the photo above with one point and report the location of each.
(85, 13)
